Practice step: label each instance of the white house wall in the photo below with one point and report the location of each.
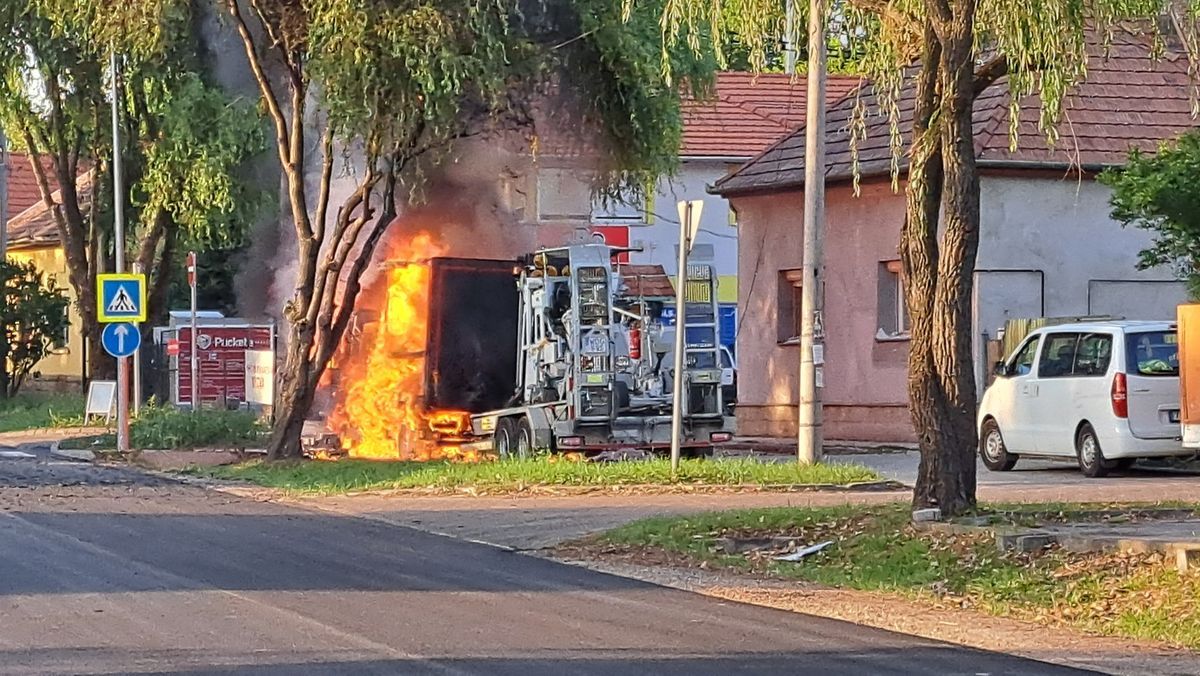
(1049, 248)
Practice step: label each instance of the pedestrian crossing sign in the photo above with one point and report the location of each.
(120, 298)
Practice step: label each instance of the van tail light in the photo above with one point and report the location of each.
(1120, 396)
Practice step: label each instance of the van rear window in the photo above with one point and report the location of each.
(1152, 353)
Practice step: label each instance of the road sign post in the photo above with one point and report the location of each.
(121, 303)
(689, 225)
(195, 364)
(121, 340)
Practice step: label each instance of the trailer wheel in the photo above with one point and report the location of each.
(504, 439)
(524, 438)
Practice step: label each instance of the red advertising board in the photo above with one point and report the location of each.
(221, 353)
(612, 235)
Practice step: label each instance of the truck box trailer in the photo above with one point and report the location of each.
(551, 351)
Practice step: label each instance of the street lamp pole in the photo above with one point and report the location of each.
(119, 246)
(812, 346)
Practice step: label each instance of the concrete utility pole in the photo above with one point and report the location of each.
(812, 333)
(689, 225)
(789, 39)
(119, 246)
(3, 194)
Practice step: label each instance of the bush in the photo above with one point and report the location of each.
(160, 426)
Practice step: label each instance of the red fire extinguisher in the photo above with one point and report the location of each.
(635, 342)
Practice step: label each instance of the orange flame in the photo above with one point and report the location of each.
(379, 410)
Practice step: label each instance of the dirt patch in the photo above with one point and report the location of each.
(952, 624)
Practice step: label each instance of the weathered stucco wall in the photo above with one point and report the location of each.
(1047, 248)
(864, 377)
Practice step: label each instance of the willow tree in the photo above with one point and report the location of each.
(183, 140)
(394, 84)
(933, 58)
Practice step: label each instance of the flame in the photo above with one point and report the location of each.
(379, 411)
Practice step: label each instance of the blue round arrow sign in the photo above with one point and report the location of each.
(121, 339)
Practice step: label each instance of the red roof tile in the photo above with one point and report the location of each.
(22, 186)
(647, 281)
(749, 112)
(35, 226)
(1129, 100)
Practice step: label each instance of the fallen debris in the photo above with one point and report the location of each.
(807, 551)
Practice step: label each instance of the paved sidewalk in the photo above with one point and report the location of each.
(537, 522)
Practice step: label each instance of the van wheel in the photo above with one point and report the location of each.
(524, 438)
(1091, 458)
(992, 450)
(504, 439)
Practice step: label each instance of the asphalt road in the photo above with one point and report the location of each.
(107, 571)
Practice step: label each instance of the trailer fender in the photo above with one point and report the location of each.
(543, 433)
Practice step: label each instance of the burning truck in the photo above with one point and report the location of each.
(465, 358)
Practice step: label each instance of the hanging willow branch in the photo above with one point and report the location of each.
(1039, 47)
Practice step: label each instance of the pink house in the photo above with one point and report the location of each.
(1048, 246)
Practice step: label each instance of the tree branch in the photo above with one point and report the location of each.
(264, 83)
(987, 74)
(326, 181)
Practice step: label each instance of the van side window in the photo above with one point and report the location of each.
(1058, 356)
(1022, 364)
(1093, 355)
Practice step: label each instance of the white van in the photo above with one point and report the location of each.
(1104, 393)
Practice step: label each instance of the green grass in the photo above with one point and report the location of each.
(877, 549)
(165, 427)
(35, 410)
(362, 475)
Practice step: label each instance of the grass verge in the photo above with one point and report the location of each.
(515, 475)
(36, 410)
(877, 549)
(165, 427)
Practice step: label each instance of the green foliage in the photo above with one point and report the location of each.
(1161, 193)
(416, 75)
(185, 142)
(166, 427)
(35, 410)
(197, 141)
(515, 475)
(33, 318)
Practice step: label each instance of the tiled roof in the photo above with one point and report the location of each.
(35, 226)
(22, 185)
(647, 281)
(1128, 100)
(747, 113)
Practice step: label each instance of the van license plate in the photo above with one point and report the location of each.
(1173, 416)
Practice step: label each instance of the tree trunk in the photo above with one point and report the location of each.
(297, 387)
(940, 278)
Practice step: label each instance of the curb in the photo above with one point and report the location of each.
(37, 433)
(73, 455)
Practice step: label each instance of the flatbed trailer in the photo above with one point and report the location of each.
(548, 353)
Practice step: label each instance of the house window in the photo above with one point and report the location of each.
(892, 307)
(626, 208)
(789, 306)
(563, 195)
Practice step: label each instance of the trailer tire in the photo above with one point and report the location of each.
(504, 438)
(524, 438)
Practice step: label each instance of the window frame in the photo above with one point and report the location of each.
(894, 281)
(1079, 343)
(1044, 352)
(793, 277)
(1011, 365)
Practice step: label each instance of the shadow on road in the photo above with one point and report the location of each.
(67, 553)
